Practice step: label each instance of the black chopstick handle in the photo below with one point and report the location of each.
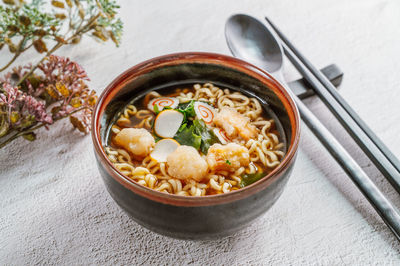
(382, 205)
(365, 142)
(379, 154)
(331, 89)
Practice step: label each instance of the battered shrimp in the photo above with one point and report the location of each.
(228, 157)
(185, 163)
(138, 141)
(235, 123)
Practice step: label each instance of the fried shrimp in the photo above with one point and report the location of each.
(186, 163)
(235, 124)
(138, 141)
(229, 157)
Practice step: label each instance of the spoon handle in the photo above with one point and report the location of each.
(382, 205)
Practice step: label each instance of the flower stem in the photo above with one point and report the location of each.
(11, 61)
(58, 45)
(52, 50)
(29, 130)
(17, 53)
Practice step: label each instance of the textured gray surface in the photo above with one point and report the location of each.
(54, 208)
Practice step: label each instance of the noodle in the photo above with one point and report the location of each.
(265, 150)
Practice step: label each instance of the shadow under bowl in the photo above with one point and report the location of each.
(196, 217)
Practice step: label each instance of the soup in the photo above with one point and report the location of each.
(195, 141)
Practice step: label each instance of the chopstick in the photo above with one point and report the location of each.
(373, 147)
(381, 204)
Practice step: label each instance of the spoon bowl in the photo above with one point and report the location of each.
(249, 39)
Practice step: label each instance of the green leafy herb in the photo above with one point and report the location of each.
(152, 123)
(187, 136)
(156, 138)
(207, 136)
(196, 134)
(187, 109)
(228, 162)
(248, 179)
(155, 108)
(183, 126)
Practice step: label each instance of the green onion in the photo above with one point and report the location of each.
(155, 108)
(248, 179)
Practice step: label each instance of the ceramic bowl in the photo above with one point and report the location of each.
(196, 217)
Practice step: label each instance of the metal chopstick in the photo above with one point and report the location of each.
(372, 146)
(381, 204)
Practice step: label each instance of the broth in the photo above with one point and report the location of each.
(255, 135)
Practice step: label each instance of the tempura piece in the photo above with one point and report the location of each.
(235, 123)
(138, 141)
(186, 163)
(229, 157)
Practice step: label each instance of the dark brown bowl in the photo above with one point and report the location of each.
(196, 217)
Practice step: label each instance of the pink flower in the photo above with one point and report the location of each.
(14, 99)
(11, 95)
(55, 90)
(37, 108)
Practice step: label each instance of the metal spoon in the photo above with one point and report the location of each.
(251, 40)
(268, 54)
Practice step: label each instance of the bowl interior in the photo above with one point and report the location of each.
(188, 74)
(187, 69)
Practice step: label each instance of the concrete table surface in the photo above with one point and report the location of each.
(54, 208)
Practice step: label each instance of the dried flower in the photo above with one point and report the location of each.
(56, 90)
(36, 108)
(36, 23)
(34, 96)
(10, 96)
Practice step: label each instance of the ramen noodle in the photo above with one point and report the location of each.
(197, 141)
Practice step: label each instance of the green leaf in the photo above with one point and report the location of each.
(188, 137)
(207, 136)
(156, 138)
(29, 136)
(248, 179)
(196, 135)
(155, 108)
(4, 125)
(228, 162)
(187, 109)
(182, 127)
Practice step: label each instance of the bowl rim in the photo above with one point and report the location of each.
(208, 58)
